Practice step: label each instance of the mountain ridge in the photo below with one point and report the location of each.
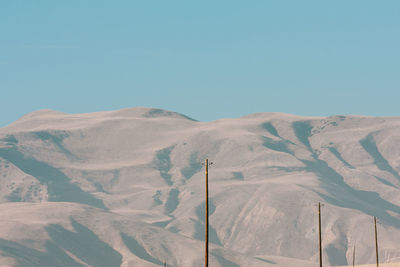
(270, 169)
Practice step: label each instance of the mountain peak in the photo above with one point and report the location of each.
(147, 113)
(42, 113)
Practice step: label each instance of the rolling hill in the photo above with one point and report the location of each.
(126, 188)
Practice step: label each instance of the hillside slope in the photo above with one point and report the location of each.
(126, 188)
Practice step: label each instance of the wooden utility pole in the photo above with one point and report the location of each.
(354, 254)
(376, 243)
(319, 234)
(206, 237)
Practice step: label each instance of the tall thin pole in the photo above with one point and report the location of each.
(206, 237)
(319, 234)
(376, 243)
(354, 254)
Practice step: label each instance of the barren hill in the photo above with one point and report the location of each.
(126, 188)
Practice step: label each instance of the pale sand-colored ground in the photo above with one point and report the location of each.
(380, 265)
(126, 188)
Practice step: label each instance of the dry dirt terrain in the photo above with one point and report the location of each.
(126, 188)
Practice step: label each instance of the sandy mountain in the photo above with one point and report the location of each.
(126, 188)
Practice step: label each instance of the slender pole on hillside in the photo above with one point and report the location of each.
(206, 237)
(376, 243)
(354, 254)
(319, 234)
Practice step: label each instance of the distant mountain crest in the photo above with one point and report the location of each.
(126, 188)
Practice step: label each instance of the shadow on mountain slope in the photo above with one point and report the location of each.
(238, 176)
(58, 184)
(264, 260)
(138, 249)
(336, 153)
(223, 261)
(369, 145)
(302, 130)
(172, 200)
(162, 163)
(277, 145)
(29, 257)
(270, 128)
(201, 209)
(194, 166)
(200, 223)
(10, 140)
(156, 113)
(336, 255)
(56, 139)
(83, 244)
(385, 182)
(340, 193)
(200, 233)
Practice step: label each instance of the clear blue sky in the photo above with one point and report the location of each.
(206, 59)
